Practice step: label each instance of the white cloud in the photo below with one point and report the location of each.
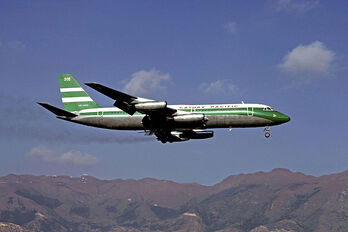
(143, 83)
(75, 158)
(231, 27)
(299, 6)
(312, 59)
(219, 87)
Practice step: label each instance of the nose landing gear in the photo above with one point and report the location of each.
(267, 134)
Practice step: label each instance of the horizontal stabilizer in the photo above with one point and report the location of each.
(114, 94)
(57, 111)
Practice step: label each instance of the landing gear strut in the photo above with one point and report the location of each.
(267, 134)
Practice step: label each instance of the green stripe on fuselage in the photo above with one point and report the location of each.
(271, 115)
(215, 111)
(114, 113)
(89, 113)
(211, 111)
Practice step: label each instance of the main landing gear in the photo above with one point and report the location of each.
(267, 134)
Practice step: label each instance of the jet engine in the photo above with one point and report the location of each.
(195, 119)
(176, 137)
(150, 106)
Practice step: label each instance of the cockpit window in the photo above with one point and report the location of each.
(267, 108)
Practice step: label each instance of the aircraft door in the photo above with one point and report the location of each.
(250, 111)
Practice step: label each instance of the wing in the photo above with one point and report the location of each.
(112, 93)
(160, 119)
(131, 104)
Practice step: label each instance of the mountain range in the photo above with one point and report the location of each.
(276, 201)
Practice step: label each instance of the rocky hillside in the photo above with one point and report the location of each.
(280, 201)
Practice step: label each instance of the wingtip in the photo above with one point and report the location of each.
(91, 83)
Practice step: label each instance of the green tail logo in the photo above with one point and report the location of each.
(74, 97)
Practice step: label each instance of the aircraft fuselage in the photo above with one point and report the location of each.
(217, 116)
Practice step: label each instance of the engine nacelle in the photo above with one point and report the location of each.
(177, 137)
(197, 134)
(190, 119)
(150, 106)
(180, 136)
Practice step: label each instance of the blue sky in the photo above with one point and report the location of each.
(289, 54)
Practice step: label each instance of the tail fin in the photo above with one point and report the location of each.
(73, 96)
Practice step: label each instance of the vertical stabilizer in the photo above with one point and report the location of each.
(74, 96)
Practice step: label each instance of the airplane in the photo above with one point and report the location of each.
(169, 123)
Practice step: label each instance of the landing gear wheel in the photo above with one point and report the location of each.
(267, 134)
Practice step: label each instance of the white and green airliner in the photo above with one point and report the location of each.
(169, 123)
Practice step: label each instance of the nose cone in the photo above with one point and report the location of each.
(287, 119)
(284, 118)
